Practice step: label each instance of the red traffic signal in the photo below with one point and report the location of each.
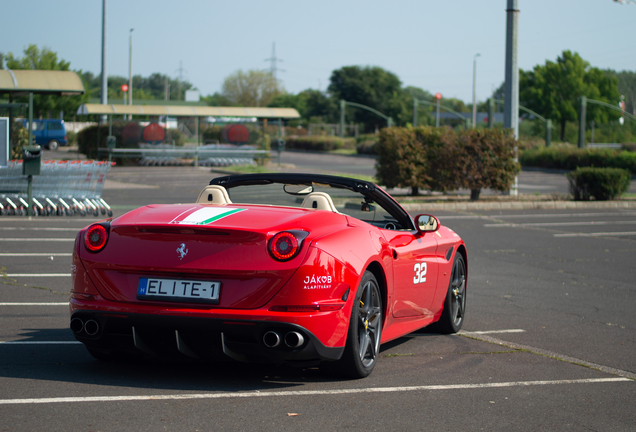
(124, 88)
(438, 96)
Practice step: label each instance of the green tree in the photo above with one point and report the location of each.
(45, 59)
(553, 90)
(252, 88)
(627, 88)
(374, 87)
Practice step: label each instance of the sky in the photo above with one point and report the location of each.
(427, 44)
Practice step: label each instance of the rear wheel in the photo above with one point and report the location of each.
(53, 145)
(365, 331)
(455, 303)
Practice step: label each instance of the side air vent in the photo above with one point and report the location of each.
(449, 254)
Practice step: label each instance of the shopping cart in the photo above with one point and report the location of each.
(62, 188)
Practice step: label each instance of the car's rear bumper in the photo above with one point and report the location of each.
(199, 337)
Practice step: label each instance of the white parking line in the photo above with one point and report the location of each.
(598, 234)
(551, 354)
(252, 394)
(38, 239)
(38, 229)
(547, 224)
(556, 215)
(33, 304)
(38, 275)
(497, 331)
(34, 254)
(39, 342)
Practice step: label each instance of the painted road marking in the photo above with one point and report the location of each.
(39, 342)
(556, 215)
(598, 234)
(252, 394)
(38, 229)
(498, 331)
(39, 239)
(551, 354)
(33, 304)
(34, 254)
(38, 274)
(547, 224)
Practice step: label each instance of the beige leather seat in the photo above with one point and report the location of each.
(319, 201)
(214, 194)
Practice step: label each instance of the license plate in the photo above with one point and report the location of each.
(178, 290)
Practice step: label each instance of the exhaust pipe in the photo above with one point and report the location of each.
(271, 339)
(91, 327)
(77, 325)
(294, 339)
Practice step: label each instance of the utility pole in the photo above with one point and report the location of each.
(104, 95)
(180, 70)
(273, 60)
(511, 88)
(474, 90)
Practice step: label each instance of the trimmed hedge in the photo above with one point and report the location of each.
(600, 183)
(572, 158)
(318, 143)
(87, 139)
(441, 159)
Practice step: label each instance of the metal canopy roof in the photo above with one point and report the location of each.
(189, 111)
(40, 81)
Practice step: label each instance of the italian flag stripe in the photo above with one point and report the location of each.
(204, 216)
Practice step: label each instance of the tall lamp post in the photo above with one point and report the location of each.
(130, 85)
(474, 90)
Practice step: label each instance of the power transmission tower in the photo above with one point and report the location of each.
(273, 68)
(180, 70)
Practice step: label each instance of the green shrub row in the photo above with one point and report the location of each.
(318, 143)
(600, 183)
(567, 158)
(441, 159)
(89, 138)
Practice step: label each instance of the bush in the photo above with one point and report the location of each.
(600, 183)
(176, 135)
(318, 143)
(486, 160)
(443, 160)
(366, 144)
(401, 160)
(19, 138)
(568, 158)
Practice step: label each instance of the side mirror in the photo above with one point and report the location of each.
(426, 223)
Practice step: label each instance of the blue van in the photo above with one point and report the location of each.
(49, 133)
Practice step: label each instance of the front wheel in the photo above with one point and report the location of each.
(365, 331)
(452, 317)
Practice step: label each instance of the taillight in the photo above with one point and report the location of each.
(95, 238)
(286, 245)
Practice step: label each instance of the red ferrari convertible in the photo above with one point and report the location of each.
(300, 269)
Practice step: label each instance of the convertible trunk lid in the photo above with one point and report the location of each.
(202, 243)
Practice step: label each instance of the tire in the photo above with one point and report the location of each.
(364, 335)
(53, 145)
(454, 312)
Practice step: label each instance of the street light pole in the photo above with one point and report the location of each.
(474, 91)
(104, 77)
(130, 85)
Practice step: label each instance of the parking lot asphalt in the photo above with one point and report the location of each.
(549, 340)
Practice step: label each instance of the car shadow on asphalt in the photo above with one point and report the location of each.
(70, 362)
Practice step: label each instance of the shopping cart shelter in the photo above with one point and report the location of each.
(211, 153)
(18, 83)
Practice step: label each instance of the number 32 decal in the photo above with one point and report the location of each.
(420, 273)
